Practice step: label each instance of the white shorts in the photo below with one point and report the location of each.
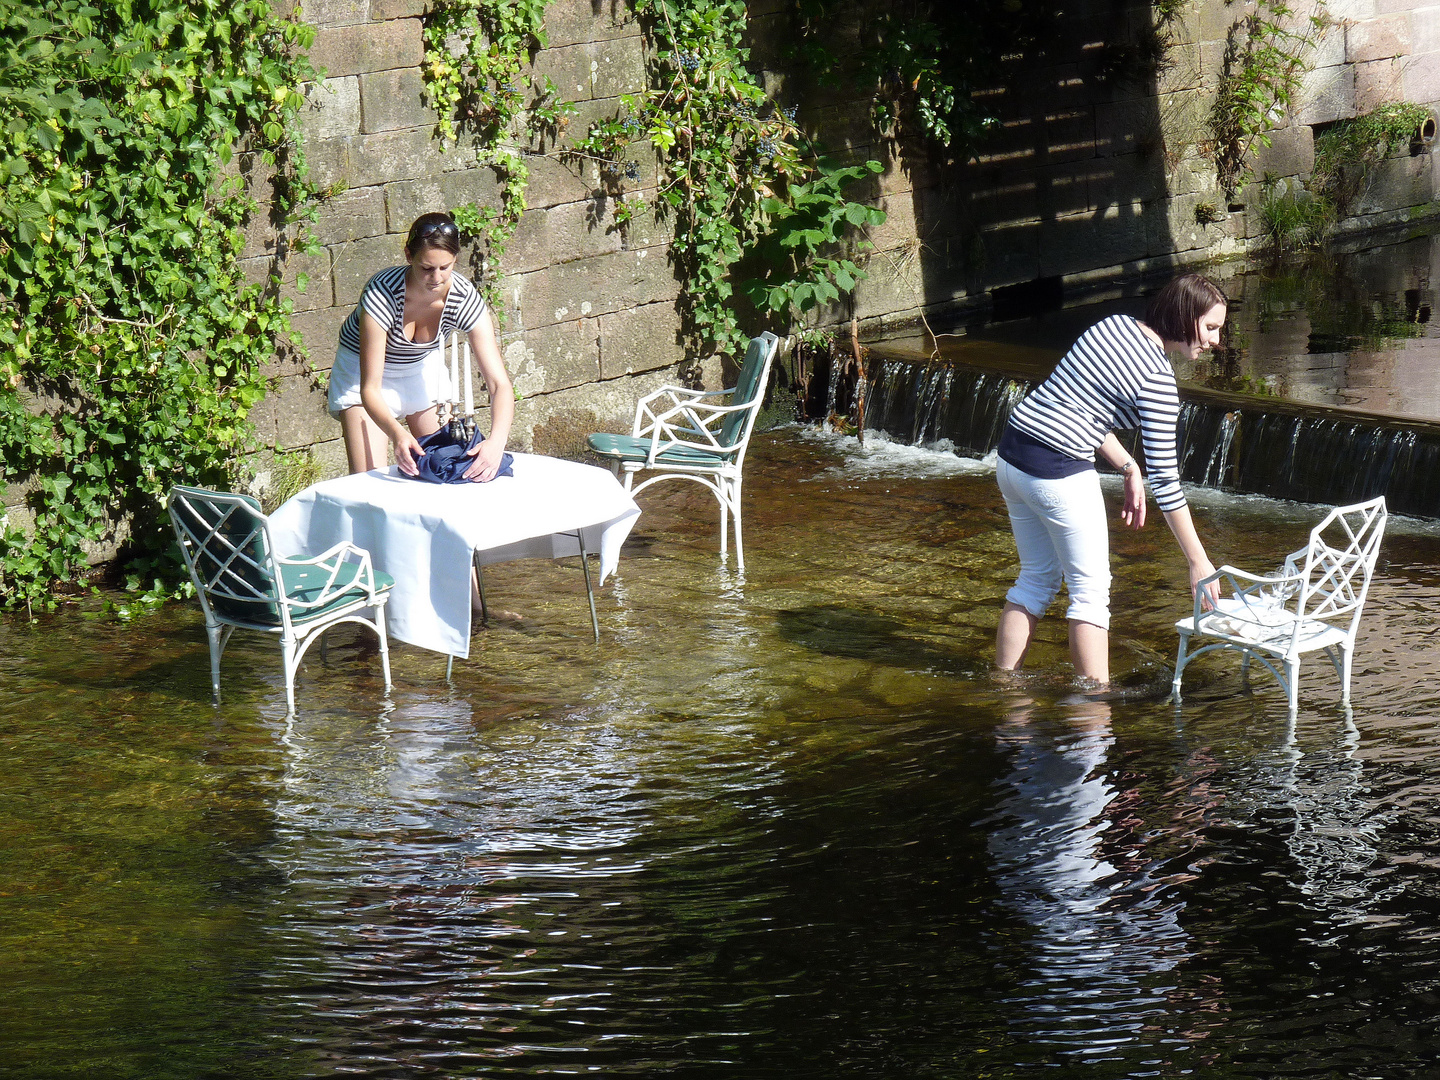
(406, 388)
(1061, 534)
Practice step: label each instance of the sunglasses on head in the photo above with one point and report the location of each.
(430, 228)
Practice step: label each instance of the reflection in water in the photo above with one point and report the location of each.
(1106, 932)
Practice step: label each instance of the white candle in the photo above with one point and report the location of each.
(454, 369)
(469, 399)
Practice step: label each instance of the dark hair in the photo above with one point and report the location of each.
(433, 231)
(1174, 312)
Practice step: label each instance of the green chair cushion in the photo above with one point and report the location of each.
(305, 583)
(629, 448)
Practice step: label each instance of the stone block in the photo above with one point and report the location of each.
(351, 215)
(301, 416)
(1170, 225)
(1120, 180)
(1398, 183)
(1291, 152)
(320, 331)
(354, 50)
(329, 160)
(1327, 94)
(1065, 188)
(558, 423)
(1069, 135)
(607, 283)
(554, 181)
(1351, 10)
(1377, 39)
(396, 9)
(389, 156)
(1087, 241)
(900, 222)
(617, 66)
(573, 230)
(1328, 48)
(1010, 196)
(1185, 72)
(1378, 83)
(357, 261)
(553, 357)
(1193, 174)
(568, 68)
(639, 339)
(393, 99)
(332, 108)
(893, 286)
(1421, 80)
(575, 22)
(327, 13)
(1425, 32)
(319, 291)
(1127, 127)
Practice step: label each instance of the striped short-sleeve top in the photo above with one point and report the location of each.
(384, 299)
(1115, 376)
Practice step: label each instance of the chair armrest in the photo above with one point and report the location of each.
(1244, 587)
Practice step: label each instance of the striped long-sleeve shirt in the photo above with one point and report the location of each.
(384, 299)
(1113, 377)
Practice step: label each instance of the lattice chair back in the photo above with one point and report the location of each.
(1340, 560)
(227, 550)
(752, 383)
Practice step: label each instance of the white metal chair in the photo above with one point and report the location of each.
(1313, 602)
(242, 583)
(686, 434)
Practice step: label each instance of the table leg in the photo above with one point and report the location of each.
(589, 590)
(480, 588)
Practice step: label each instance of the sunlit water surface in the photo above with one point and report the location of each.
(784, 825)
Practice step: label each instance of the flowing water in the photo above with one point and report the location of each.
(780, 826)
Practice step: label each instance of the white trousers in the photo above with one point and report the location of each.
(1061, 534)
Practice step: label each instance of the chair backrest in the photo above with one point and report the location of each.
(749, 389)
(225, 541)
(1340, 560)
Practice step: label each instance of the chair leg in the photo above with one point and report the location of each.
(287, 656)
(384, 643)
(1180, 660)
(724, 519)
(1292, 677)
(1347, 653)
(215, 635)
(739, 537)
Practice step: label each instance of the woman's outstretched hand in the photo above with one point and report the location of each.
(1133, 512)
(407, 452)
(486, 465)
(1199, 571)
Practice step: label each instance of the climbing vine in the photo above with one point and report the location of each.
(476, 55)
(131, 343)
(1265, 60)
(752, 202)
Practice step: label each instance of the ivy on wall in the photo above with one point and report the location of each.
(477, 53)
(752, 203)
(130, 343)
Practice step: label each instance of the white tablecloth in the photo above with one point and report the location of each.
(424, 535)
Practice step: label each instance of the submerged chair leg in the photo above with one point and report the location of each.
(215, 635)
(1180, 661)
(384, 642)
(290, 663)
(734, 494)
(1292, 678)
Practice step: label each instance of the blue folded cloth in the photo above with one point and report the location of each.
(445, 460)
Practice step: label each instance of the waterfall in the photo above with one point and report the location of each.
(1249, 444)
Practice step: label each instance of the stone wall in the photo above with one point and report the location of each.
(1093, 180)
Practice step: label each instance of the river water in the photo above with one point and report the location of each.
(788, 825)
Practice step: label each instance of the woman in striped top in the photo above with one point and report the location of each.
(390, 362)
(1116, 376)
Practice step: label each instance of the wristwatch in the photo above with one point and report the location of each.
(1125, 469)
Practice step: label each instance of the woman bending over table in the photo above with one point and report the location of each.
(1116, 376)
(391, 360)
